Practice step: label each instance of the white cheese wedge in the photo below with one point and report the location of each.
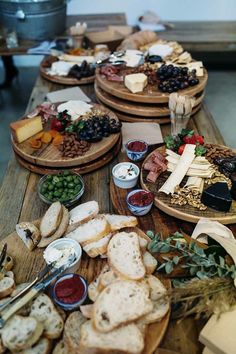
(75, 108)
(180, 170)
(136, 82)
(77, 59)
(60, 68)
(162, 50)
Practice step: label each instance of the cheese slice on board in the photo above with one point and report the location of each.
(195, 183)
(193, 171)
(180, 170)
(136, 82)
(26, 128)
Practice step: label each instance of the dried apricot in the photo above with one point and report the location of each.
(46, 138)
(39, 136)
(54, 133)
(58, 140)
(35, 144)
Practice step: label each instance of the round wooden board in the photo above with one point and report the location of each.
(137, 109)
(50, 156)
(185, 212)
(64, 80)
(82, 169)
(89, 269)
(150, 94)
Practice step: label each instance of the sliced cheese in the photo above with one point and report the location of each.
(136, 82)
(77, 59)
(195, 183)
(197, 166)
(26, 128)
(180, 170)
(75, 108)
(194, 172)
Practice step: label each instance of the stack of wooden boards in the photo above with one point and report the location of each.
(149, 105)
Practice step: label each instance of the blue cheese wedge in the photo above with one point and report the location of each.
(217, 197)
(136, 82)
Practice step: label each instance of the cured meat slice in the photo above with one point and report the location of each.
(160, 163)
(159, 156)
(152, 176)
(150, 166)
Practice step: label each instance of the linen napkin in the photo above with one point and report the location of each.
(149, 132)
(69, 94)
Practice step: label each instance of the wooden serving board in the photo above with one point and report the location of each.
(49, 155)
(150, 94)
(27, 265)
(82, 169)
(184, 212)
(137, 109)
(65, 80)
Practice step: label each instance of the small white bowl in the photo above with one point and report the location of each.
(122, 182)
(63, 243)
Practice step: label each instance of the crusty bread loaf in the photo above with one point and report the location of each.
(51, 219)
(45, 241)
(118, 222)
(125, 339)
(87, 310)
(125, 257)
(150, 262)
(45, 312)
(43, 346)
(160, 307)
(7, 285)
(97, 248)
(82, 213)
(21, 333)
(29, 234)
(121, 302)
(93, 286)
(71, 334)
(60, 348)
(91, 231)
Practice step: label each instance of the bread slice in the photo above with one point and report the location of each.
(43, 346)
(51, 220)
(150, 262)
(160, 307)
(45, 241)
(71, 334)
(121, 302)
(45, 312)
(118, 222)
(97, 248)
(106, 279)
(125, 339)
(18, 288)
(93, 286)
(87, 310)
(125, 257)
(7, 285)
(82, 213)
(29, 234)
(91, 231)
(60, 348)
(142, 243)
(21, 333)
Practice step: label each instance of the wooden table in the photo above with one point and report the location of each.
(19, 202)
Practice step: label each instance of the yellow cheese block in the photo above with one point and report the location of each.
(26, 128)
(136, 82)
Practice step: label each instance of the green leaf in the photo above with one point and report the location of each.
(222, 261)
(220, 272)
(185, 132)
(161, 266)
(200, 150)
(164, 248)
(201, 275)
(177, 234)
(170, 142)
(150, 234)
(193, 271)
(176, 260)
(168, 267)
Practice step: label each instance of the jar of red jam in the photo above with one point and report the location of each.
(70, 291)
(136, 149)
(139, 201)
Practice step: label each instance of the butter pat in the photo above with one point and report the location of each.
(136, 82)
(26, 128)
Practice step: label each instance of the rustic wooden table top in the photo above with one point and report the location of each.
(19, 202)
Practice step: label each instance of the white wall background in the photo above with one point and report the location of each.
(171, 10)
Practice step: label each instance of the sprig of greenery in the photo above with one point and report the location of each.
(192, 257)
(75, 127)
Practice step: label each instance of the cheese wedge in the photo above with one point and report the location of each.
(136, 82)
(26, 128)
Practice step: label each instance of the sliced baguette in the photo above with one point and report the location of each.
(45, 312)
(121, 302)
(29, 234)
(93, 286)
(21, 333)
(43, 346)
(60, 348)
(7, 285)
(87, 310)
(71, 334)
(45, 241)
(91, 231)
(142, 243)
(106, 279)
(82, 213)
(125, 339)
(118, 222)
(160, 307)
(97, 248)
(125, 257)
(150, 262)
(51, 220)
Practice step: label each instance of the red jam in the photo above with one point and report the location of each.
(141, 199)
(137, 146)
(70, 290)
